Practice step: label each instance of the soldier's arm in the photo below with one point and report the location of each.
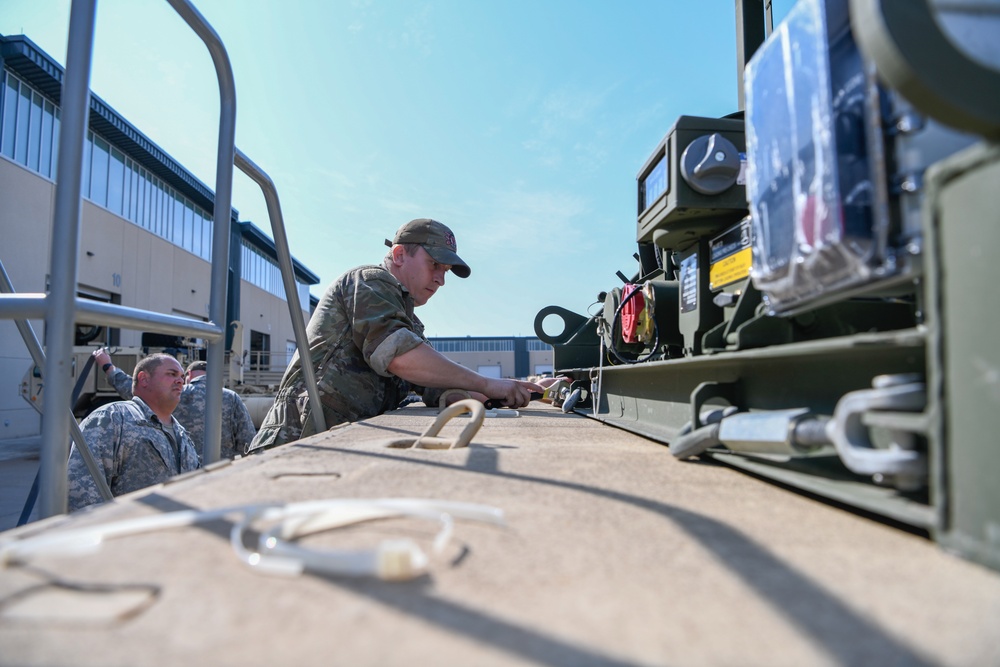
(119, 379)
(122, 382)
(425, 366)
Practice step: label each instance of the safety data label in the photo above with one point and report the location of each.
(689, 283)
(731, 256)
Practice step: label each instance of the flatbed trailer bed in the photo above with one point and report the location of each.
(613, 553)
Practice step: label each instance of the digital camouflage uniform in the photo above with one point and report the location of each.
(364, 320)
(132, 448)
(122, 382)
(237, 426)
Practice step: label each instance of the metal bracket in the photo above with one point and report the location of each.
(706, 391)
(850, 435)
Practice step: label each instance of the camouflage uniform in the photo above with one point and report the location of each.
(132, 448)
(237, 427)
(364, 320)
(122, 382)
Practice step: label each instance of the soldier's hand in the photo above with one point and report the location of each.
(101, 357)
(514, 393)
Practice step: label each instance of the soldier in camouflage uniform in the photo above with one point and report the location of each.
(135, 443)
(368, 347)
(237, 426)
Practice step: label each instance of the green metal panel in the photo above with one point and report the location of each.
(964, 217)
(660, 399)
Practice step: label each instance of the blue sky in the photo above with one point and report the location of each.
(520, 124)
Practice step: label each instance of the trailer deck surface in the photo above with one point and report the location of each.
(612, 553)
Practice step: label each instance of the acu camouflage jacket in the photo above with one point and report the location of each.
(237, 426)
(132, 448)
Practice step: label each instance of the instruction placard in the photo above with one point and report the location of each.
(731, 256)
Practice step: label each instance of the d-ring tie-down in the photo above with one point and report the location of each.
(429, 440)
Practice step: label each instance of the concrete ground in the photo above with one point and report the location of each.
(18, 466)
(611, 553)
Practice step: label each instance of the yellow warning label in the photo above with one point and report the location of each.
(730, 269)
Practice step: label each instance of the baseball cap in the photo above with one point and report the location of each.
(436, 239)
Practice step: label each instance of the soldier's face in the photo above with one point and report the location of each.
(419, 273)
(164, 385)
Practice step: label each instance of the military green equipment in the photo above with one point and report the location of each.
(812, 270)
(693, 182)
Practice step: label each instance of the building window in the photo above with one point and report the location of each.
(8, 128)
(536, 345)
(29, 135)
(258, 269)
(30, 126)
(34, 131)
(206, 237)
(474, 345)
(485, 345)
(45, 161)
(99, 171)
(116, 182)
(21, 125)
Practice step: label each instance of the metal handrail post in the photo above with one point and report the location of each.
(32, 306)
(223, 208)
(38, 356)
(22, 306)
(117, 315)
(61, 302)
(288, 280)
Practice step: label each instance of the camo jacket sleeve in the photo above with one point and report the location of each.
(384, 325)
(122, 382)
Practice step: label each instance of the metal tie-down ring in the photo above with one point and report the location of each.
(429, 438)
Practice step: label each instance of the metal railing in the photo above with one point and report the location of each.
(288, 280)
(62, 309)
(38, 357)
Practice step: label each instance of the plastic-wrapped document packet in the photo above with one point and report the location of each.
(809, 181)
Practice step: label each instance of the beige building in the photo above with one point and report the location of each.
(145, 238)
(502, 357)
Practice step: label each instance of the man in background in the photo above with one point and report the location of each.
(237, 426)
(135, 443)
